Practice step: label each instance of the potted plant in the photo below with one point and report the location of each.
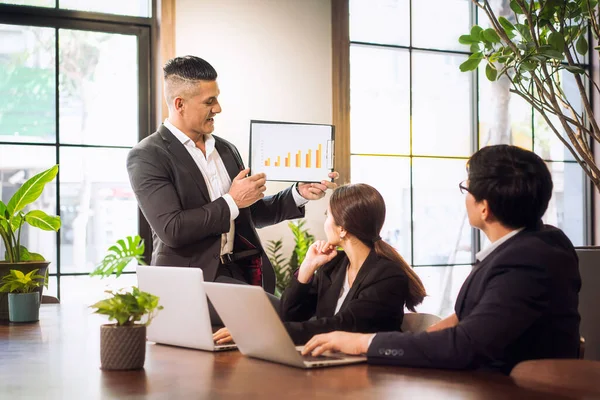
(545, 40)
(12, 219)
(285, 269)
(23, 299)
(123, 344)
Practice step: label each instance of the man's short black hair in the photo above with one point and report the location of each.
(190, 68)
(515, 182)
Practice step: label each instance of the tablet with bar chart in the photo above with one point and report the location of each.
(292, 152)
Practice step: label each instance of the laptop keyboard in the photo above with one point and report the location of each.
(319, 358)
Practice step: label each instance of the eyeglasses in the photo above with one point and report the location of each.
(463, 189)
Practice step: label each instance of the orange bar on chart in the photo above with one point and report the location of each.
(319, 153)
(298, 158)
(268, 162)
(308, 156)
(287, 160)
(278, 162)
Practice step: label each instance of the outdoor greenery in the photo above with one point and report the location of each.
(284, 267)
(127, 308)
(120, 254)
(18, 282)
(12, 217)
(541, 41)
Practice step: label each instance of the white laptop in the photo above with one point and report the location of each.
(258, 330)
(185, 320)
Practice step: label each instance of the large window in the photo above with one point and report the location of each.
(414, 121)
(74, 91)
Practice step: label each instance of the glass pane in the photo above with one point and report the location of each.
(442, 285)
(438, 24)
(379, 100)
(27, 84)
(97, 205)
(566, 209)
(442, 234)
(98, 96)
(136, 8)
(18, 164)
(35, 3)
(547, 144)
(380, 21)
(52, 289)
(442, 111)
(396, 230)
(85, 290)
(504, 118)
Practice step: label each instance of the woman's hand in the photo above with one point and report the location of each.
(222, 336)
(318, 254)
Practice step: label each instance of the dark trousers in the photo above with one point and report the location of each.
(232, 273)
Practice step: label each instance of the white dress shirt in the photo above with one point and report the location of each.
(217, 179)
(481, 255)
(343, 293)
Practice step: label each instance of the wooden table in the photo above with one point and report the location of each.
(58, 358)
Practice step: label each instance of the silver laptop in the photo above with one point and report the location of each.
(185, 320)
(258, 331)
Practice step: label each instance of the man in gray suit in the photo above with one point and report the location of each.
(193, 188)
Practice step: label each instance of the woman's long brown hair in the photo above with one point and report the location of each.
(360, 210)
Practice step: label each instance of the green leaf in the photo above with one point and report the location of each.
(120, 255)
(491, 72)
(581, 46)
(467, 39)
(506, 24)
(491, 36)
(524, 31)
(31, 190)
(476, 31)
(475, 48)
(472, 62)
(516, 8)
(551, 53)
(575, 70)
(557, 41)
(41, 220)
(528, 65)
(128, 307)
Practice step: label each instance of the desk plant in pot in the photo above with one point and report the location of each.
(535, 47)
(12, 219)
(23, 299)
(123, 344)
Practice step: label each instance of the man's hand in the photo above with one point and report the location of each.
(246, 191)
(222, 336)
(345, 342)
(316, 191)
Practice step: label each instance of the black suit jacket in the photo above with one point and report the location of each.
(186, 224)
(519, 303)
(375, 301)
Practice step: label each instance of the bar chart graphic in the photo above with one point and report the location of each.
(291, 152)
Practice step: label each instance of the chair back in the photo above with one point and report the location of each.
(563, 376)
(418, 322)
(49, 300)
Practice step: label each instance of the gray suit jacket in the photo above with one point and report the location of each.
(186, 224)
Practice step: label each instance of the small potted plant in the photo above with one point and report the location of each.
(123, 344)
(12, 219)
(23, 299)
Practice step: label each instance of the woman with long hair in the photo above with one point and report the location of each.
(363, 288)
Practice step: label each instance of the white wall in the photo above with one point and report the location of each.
(273, 58)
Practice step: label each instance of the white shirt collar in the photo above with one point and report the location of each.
(209, 140)
(480, 256)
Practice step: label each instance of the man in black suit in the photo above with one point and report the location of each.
(193, 188)
(520, 300)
